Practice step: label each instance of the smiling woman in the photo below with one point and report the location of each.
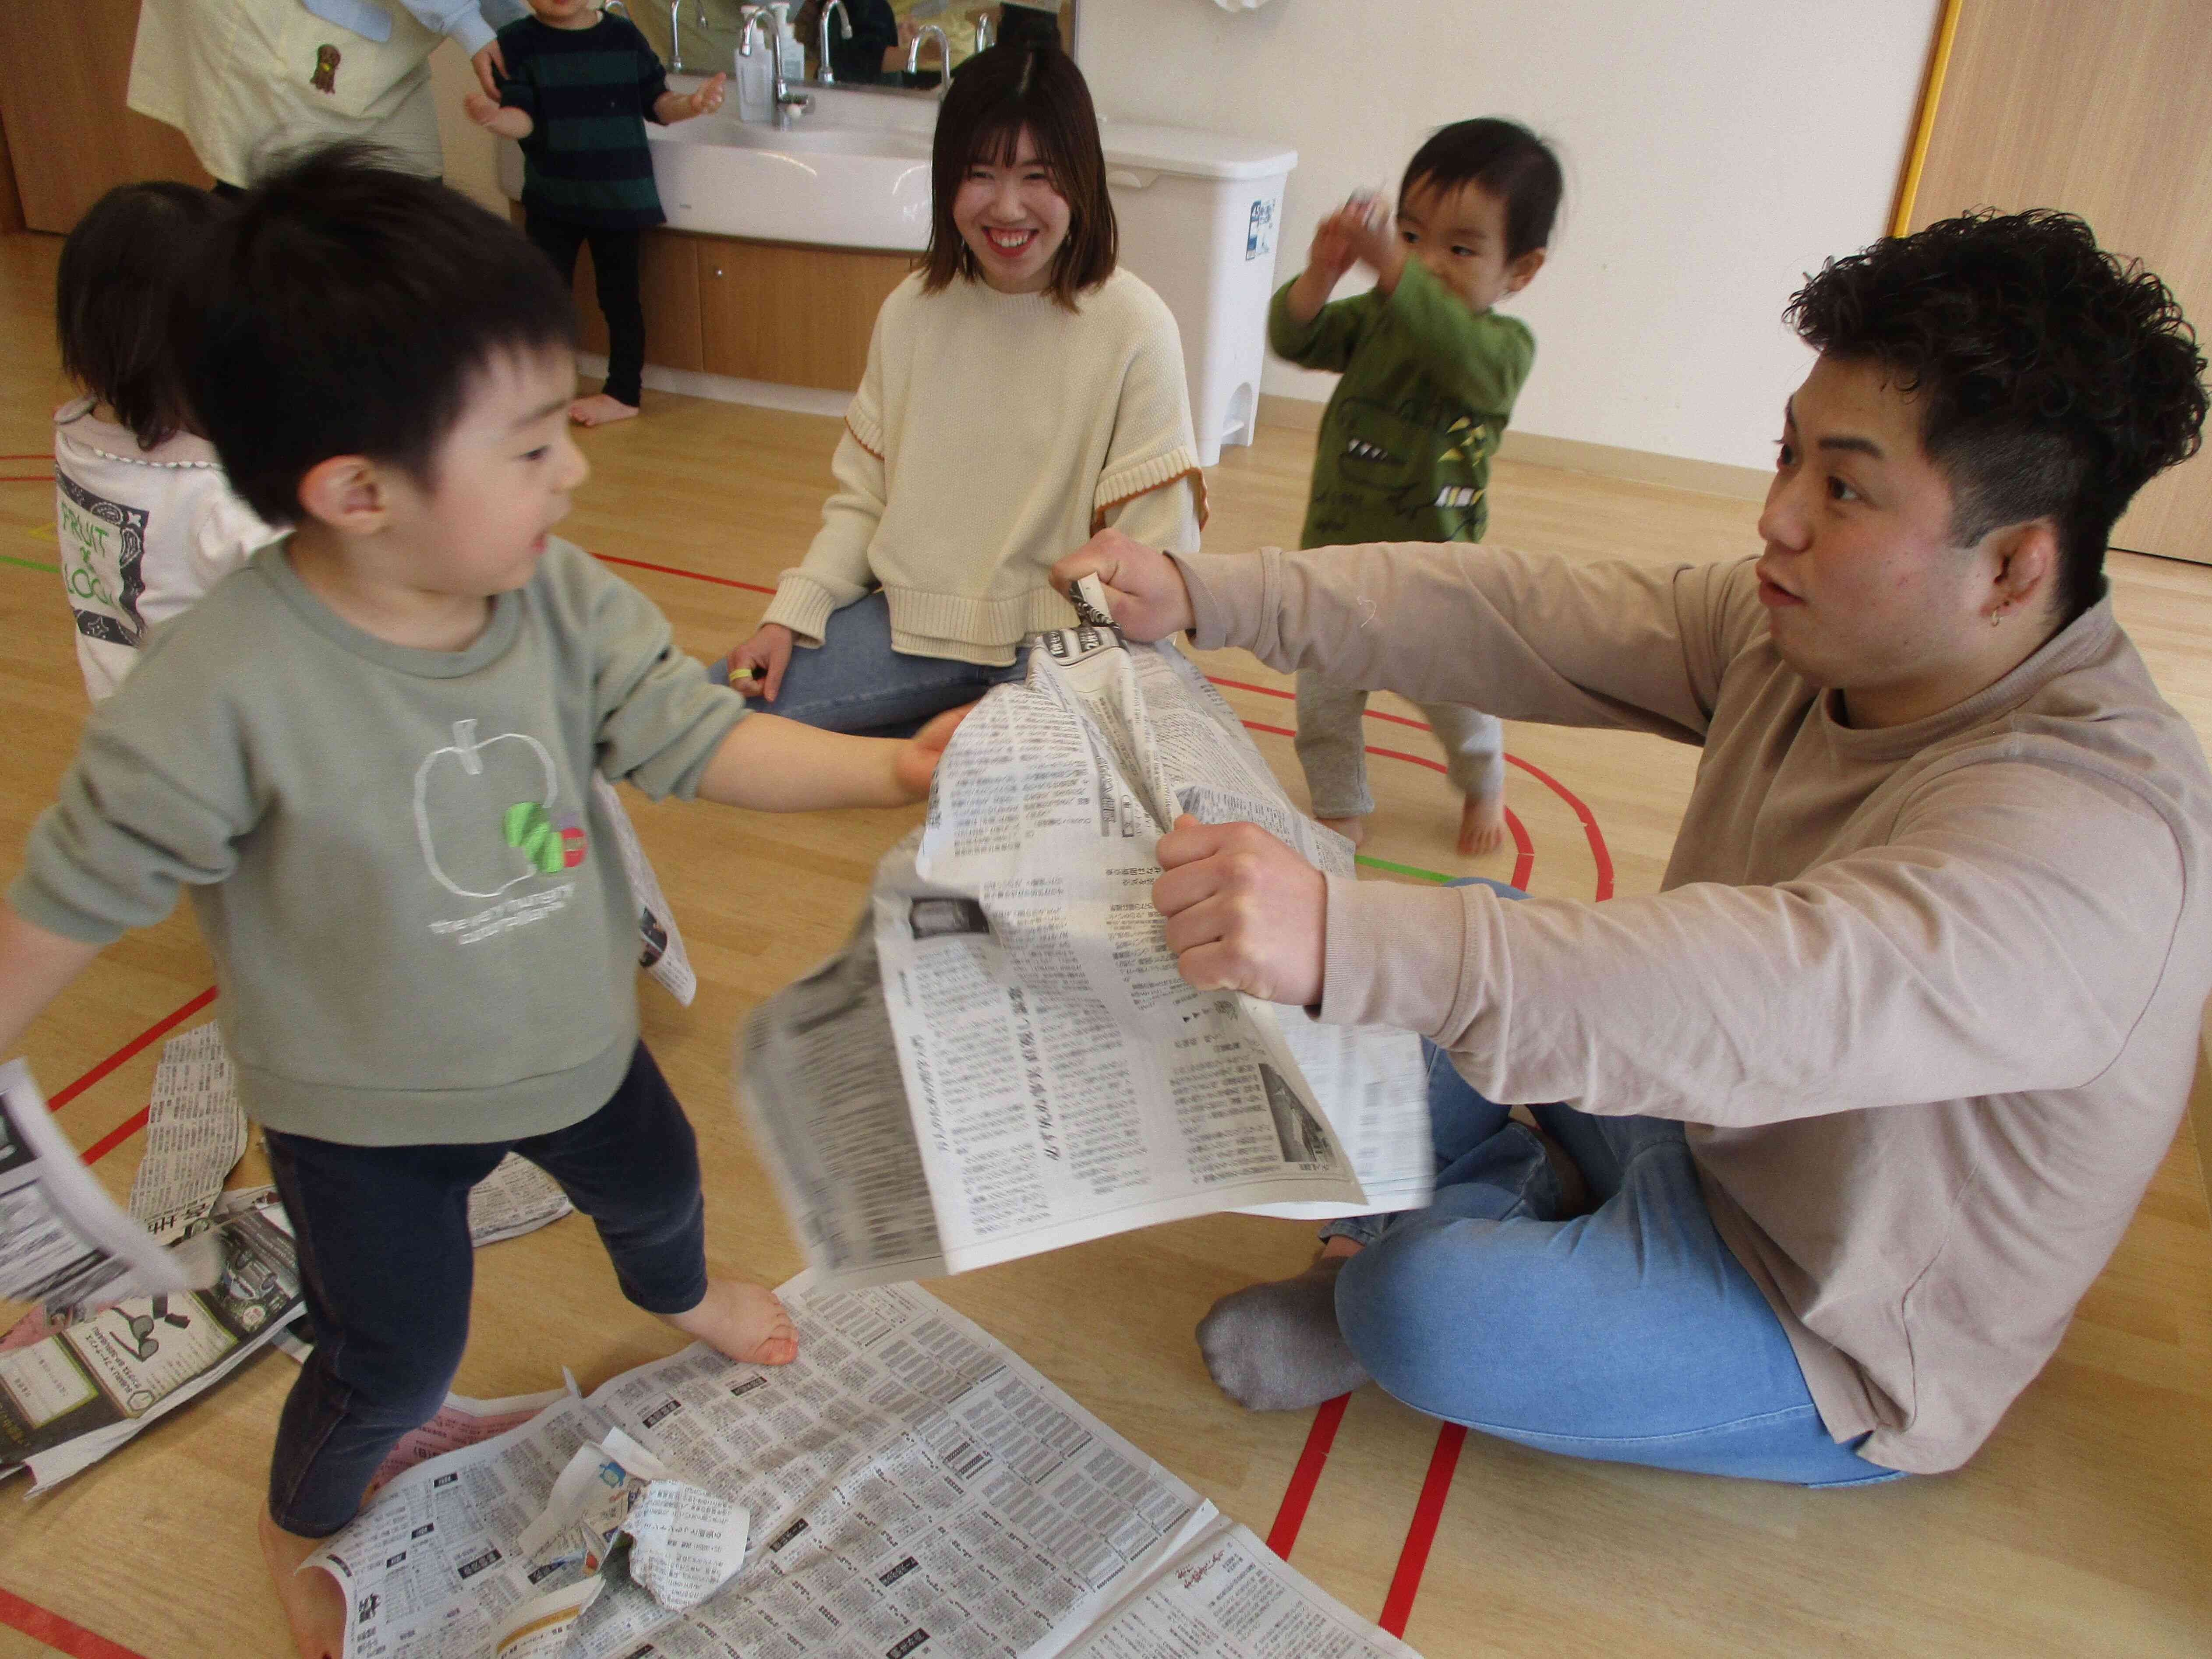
(1051, 378)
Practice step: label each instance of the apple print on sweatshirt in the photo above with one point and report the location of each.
(487, 813)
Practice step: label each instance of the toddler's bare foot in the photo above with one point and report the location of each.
(1353, 830)
(742, 1320)
(314, 1605)
(599, 409)
(1481, 826)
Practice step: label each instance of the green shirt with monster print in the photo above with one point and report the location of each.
(1405, 447)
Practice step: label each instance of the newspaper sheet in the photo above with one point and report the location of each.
(68, 1400)
(913, 1488)
(464, 1421)
(62, 1239)
(1228, 1595)
(1059, 1080)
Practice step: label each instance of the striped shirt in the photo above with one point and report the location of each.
(588, 93)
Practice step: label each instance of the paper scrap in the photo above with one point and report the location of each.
(516, 1198)
(195, 1133)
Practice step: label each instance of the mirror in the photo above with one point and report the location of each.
(874, 59)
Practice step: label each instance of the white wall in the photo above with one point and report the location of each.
(1716, 151)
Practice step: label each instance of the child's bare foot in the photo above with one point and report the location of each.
(600, 410)
(1353, 830)
(314, 1605)
(1481, 825)
(742, 1320)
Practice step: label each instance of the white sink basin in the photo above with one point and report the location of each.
(835, 176)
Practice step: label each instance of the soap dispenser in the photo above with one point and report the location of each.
(788, 46)
(754, 70)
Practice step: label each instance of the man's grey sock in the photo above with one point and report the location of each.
(1276, 1347)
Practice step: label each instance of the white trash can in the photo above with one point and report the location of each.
(1199, 214)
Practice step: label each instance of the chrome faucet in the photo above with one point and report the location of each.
(944, 55)
(676, 31)
(823, 75)
(984, 39)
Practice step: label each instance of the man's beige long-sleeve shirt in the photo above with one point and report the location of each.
(1927, 997)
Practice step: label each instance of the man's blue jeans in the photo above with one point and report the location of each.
(1631, 1334)
(855, 682)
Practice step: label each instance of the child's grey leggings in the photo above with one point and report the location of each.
(1333, 749)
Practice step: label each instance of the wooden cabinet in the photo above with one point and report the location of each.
(64, 66)
(753, 311)
(668, 283)
(797, 316)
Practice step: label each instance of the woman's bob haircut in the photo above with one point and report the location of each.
(995, 97)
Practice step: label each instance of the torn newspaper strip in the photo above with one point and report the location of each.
(912, 1488)
(195, 1134)
(68, 1400)
(660, 942)
(1005, 1058)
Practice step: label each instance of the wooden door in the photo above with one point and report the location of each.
(797, 316)
(2105, 111)
(64, 67)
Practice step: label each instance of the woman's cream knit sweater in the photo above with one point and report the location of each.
(992, 435)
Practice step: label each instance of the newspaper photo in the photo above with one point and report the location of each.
(1004, 1059)
(62, 1239)
(70, 1398)
(908, 1487)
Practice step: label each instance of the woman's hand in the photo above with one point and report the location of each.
(756, 667)
(1244, 912)
(1143, 588)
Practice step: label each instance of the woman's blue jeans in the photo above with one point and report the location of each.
(1631, 1333)
(855, 682)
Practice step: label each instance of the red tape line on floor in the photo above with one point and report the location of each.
(1405, 1582)
(1524, 849)
(57, 1632)
(1299, 1495)
(674, 570)
(158, 1028)
(1601, 856)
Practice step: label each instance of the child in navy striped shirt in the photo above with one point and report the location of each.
(580, 86)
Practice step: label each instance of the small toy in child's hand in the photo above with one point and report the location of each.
(1372, 205)
(1088, 595)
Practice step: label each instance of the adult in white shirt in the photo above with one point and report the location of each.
(244, 80)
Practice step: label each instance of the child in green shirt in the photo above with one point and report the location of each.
(1431, 372)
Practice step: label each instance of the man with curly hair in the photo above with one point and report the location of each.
(1849, 1116)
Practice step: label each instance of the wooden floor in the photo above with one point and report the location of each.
(2084, 1527)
